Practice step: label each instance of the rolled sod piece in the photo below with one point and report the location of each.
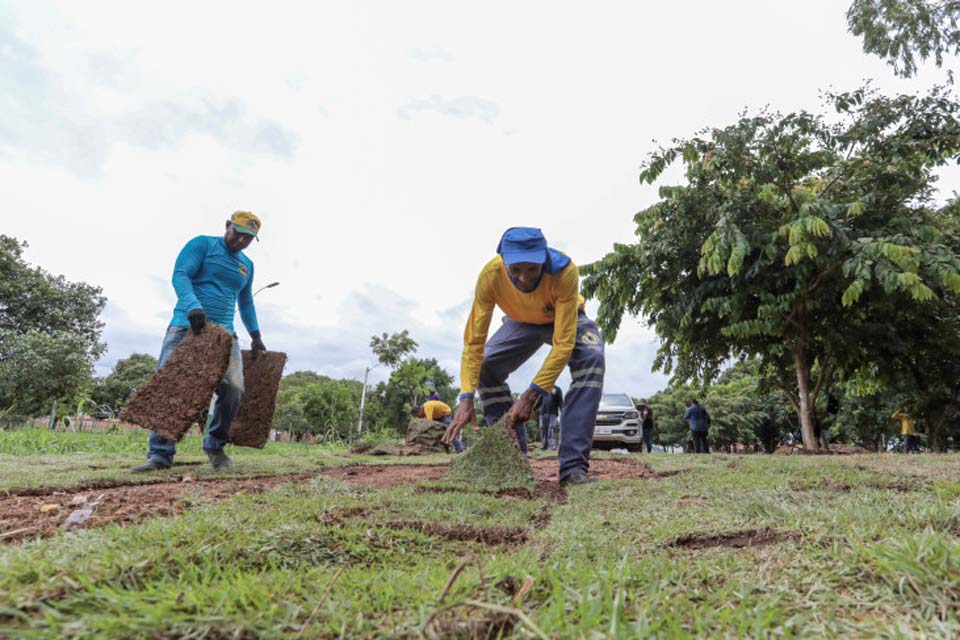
(426, 434)
(175, 397)
(261, 379)
(494, 461)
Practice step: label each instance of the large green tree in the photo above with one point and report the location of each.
(49, 333)
(128, 375)
(791, 235)
(310, 403)
(901, 31)
(406, 387)
(393, 349)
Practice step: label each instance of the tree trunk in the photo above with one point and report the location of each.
(805, 401)
(935, 420)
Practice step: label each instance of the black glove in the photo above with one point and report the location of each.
(198, 320)
(256, 344)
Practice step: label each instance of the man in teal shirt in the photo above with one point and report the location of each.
(212, 278)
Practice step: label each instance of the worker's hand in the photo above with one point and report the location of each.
(256, 344)
(464, 415)
(522, 409)
(198, 320)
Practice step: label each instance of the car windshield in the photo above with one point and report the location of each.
(616, 400)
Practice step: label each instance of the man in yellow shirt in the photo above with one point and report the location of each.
(538, 289)
(911, 440)
(439, 411)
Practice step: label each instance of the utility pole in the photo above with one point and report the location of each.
(363, 395)
(53, 415)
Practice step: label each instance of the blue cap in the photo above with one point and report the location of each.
(523, 244)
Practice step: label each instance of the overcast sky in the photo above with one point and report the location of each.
(385, 146)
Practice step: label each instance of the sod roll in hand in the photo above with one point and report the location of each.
(494, 461)
(176, 395)
(261, 379)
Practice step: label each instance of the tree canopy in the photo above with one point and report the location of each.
(49, 333)
(793, 240)
(900, 31)
(127, 376)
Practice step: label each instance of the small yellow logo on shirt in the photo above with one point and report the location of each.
(243, 269)
(590, 338)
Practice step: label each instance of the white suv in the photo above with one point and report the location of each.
(618, 423)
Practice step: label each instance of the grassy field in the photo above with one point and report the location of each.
(714, 546)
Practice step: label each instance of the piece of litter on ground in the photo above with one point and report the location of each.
(77, 518)
(622, 452)
(50, 506)
(187, 478)
(78, 500)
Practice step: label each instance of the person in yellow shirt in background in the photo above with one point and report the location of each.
(438, 411)
(538, 290)
(911, 441)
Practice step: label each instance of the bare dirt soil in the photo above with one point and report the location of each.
(833, 449)
(465, 532)
(29, 517)
(733, 539)
(40, 515)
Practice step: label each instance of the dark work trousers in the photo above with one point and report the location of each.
(648, 440)
(911, 444)
(700, 442)
(512, 345)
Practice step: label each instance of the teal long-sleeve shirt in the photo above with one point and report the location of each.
(208, 276)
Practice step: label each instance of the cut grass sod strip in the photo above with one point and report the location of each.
(493, 461)
(774, 550)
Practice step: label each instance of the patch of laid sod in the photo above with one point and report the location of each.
(734, 546)
(494, 461)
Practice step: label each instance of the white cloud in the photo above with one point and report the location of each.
(431, 55)
(460, 107)
(128, 128)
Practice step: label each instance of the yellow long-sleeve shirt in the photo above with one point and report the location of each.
(906, 423)
(556, 300)
(436, 409)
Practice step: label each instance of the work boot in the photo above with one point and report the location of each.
(218, 459)
(575, 479)
(149, 465)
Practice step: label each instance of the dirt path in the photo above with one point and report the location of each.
(28, 517)
(24, 517)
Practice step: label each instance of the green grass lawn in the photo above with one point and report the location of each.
(843, 546)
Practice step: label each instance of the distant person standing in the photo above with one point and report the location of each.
(699, 421)
(646, 424)
(911, 441)
(550, 406)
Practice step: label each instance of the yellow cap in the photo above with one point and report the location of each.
(245, 222)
